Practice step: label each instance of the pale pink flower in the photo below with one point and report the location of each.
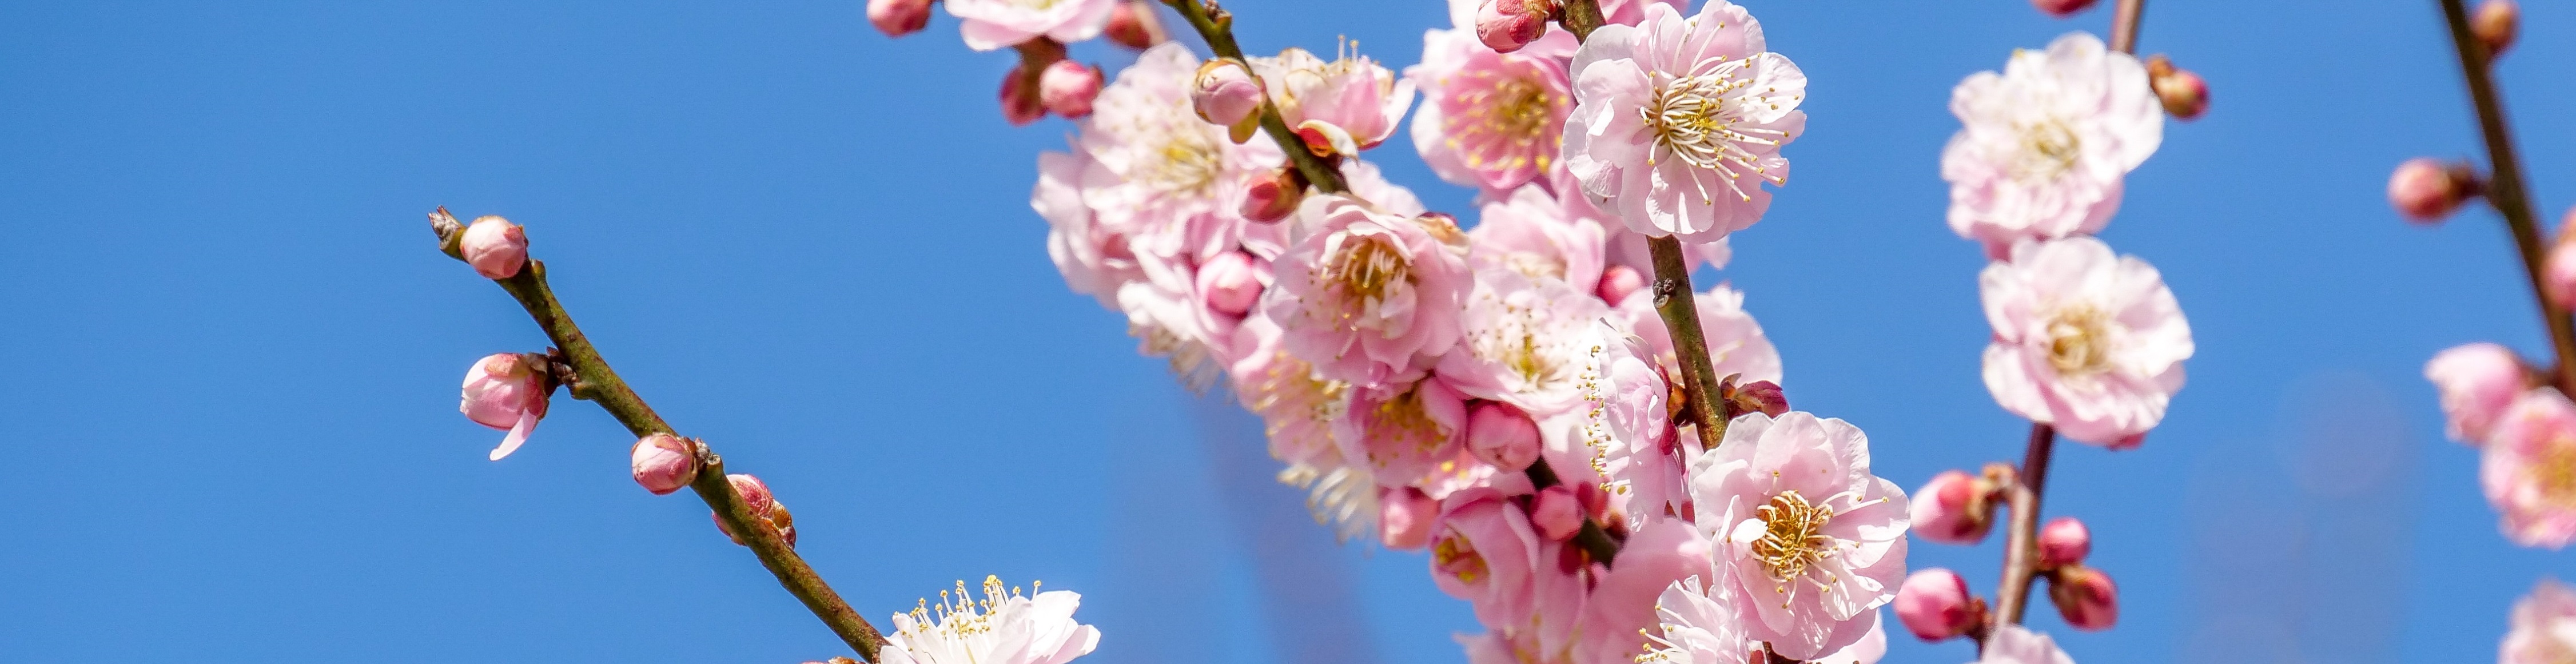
(2544, 626)
(1807, 537)
(2064, 541)
(1067, 88)
(1661, 554)
(2014, 644)
(1224, 93)
(1005, 627)
(1629, 12)
(1165, 316)
(1736, 345)
(1094, 260)
(1404, 433)
(1340, 107)
(2426, 190)
(1484, 550)
(1369, 297)
(1678, 122)
(1526, 342)
(1621, 439)
(507, 392)
(994, 24)
(1297, 405)
(2529, 469)
(1624, 247)
(2086, 341)
(1871, 647)
(1698, 624)
(2478, 382)
(1530, 233)
(2047, 142)
(1159, 175)
(1491, 120)
(1501, 434)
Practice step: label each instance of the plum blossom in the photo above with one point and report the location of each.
(1490, 120)
(1094, 260)
(2046, 143)
(1002, 628)
(1696, 628)
(1404, 433)
(2529, 469)
(1369, 297)
(1622, 611)
(1678, 122)
(1484, 550)
(2478, 382)
(1530, 233)
(2014, 644)
(1807, 538)
(2544, 626)
(1340, 107)
(1159, 175)
(1526, 342)
(2085, 341)
(508, 392)
(995, 24)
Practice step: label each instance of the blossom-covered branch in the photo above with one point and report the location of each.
(1216, 25)
(2504, 186)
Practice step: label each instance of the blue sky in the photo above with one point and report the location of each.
(233, 352)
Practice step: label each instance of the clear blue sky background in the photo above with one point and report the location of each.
(232, 353)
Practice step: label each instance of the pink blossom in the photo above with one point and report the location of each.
(2064, 541)
(1491, 120)
(663, 463)
(1508, 25)
(1871, 647)
(1526, 341)
(1094, 260)
(507, 392)
(897, 18)
(2085, 598)
(1530, 234)
(764, 507)
(2013, 644)
(2544, 626)
(1678, 122)
(1660, 554)
(495, 247)
(994, 24)
(1630, 12)
(1404, 433)
(1621, 438)
(1067, 88)
(1001, 628)
(1340, 107)
(1807, 537)
(1621, 246)
(1736, 345)
(1698, 624)
(2478, 382)
(2047, 142)
(1369, 297)
(1483, 550)
(2529, 469)
(1954, 508)
(1935, 604)
(1297, 406)
(1224, 93)
(1502, 435)
(2085, 341)
(1231, 283)
(1619, 282)
(1556, 513)
(1134, 25)
(2426, 191)
(1161, 176)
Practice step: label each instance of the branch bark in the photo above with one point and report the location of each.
(2021, 542)
(2124, 26)
(2505, 189)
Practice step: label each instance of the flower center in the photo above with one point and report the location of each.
(1367, 270)
(2048, 150)
(2555, 470)
(1505, 120)
(1795, 539)
(2079, 341)
(1402, 420)
(1189, 164)
(1455, 557)
(1694, 119)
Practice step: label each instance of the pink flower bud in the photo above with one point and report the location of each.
(507, 392)
(663, 463)
(1021, 104)
(1508, 25)
(1556, 513)
(1954, 508)
(1274, 198)
(2559, 274)
(1759, 396)
(1134, 25)
(1502, 435)
(1404, 516)
(763, 507)
(1067, 88)
(1595, 501)
(2064, 542)
(2426, 191)
(2477, 382)
(495, 247)
(1618, 282)
(2085, 597)
(1231, 283)
(2495, 23)
(1935, 605)
(2184, 95)
(897, 18)
(2061, 8)
(1225, 93)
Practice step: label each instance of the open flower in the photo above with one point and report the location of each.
(1664, 554)
(2086, 341)
(1340, 107)
(994, 24)
(2014, 644)
(1527, 342)
(507, 391)
(1405, 433)
(1002, 628)
(1159, 175)
(1490, 120)
(1094, 260)
(1530, 233)
(1693, 627)
(1808, 539)
(2047, 141)
(2529, 469)
(2544, 626)
(2478, 382)
(1484, 550)
(1678, 122)
(1368, 297)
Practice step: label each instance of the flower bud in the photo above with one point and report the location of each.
(1617, 283)
(1595, 501)
(1508, 25)
(507, 392)
(2185, 96)
(1021, 104)
(1556, 513)
(2085, 597)
(1935, 605)
(1224, 93)
(1134, 25)
(1404, 516)
(2558, 275)
(1954, 508)
(1759, 396)
(763, 506)
(2426, 191)
(1502, 435)
(2495, 24)
(2477, 382)
(1230, 283)
(1067, 88)
(897, 18)
(495, 247)
(2064, 542)
(2061, 8)
(663, 463)
(1271, 199)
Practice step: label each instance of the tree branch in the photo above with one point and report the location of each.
(2124, 25)
(2021, 542)
(1217, 27)
(2505, 188)
(594, 381)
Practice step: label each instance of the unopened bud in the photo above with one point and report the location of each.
(2184, 95)
(663, 463)
(897, 18)
(1271, 199)
(1618, 282)
(1134, 25)
(1231, 283)
(1508, 25)
(1595, 501)
(1067, 88)
(507, 392)
(764, 507)
(1556, 513)
(1502, 435)
(1404, 516)
(1935, 605)
(2061, 8)
(495, 247)
(1954, 508)
(2495, 24)
(1021, 103)
(2085, 597)
(2426, 191)
(1759, 396)
(2063, 542)
(2558, 275)
(1224, 93)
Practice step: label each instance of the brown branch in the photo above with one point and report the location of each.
(1592, 538)
(2505, 188)
(594, 381)
(2124, 25)
(1217, 27)
(2021, 543)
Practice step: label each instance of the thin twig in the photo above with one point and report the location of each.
(2124, 25)
(1217, 27)
(2021, 547)
(593, 380)
(2505, 188)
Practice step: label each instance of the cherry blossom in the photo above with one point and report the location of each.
(2478, 382)
(1660, 555)
(1678, 122)
(1005, 627)
(1158, 174)
(2529, 469)
(2085, 341)
(2544, 626)
(2046, 143)
(1694, 627)
(995, 24)
(1369, 297)
(507, 392)
(1526, 341)
(1490, 120)
(1340, 107)
(1094, 259)
(1809, 540)
(1404, 433)
(1530, 233)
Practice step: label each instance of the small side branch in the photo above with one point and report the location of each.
(2505, 188)
(2021, 543)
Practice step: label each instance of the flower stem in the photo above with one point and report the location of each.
(2021, 547)
(594, 381)
(2505, 188)
(2124, 25)
(1217, 27)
